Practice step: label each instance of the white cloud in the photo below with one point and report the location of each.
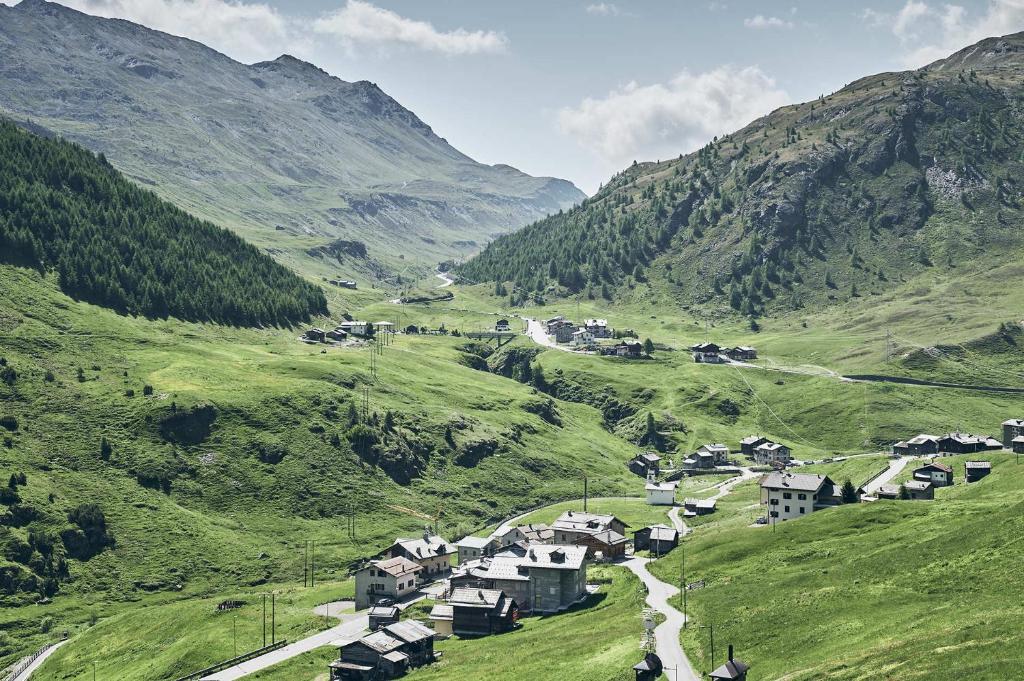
(246, 31)
(663, 120)
(761, 22)
(928, 31)
(605, 9)
(360, 22)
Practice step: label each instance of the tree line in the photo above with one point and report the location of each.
(114, 244)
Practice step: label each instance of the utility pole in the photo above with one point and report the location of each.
(273, 616)
(312, 565)
(264, 620)
(712, 628)
(682, 585)
(305, 565)
(234, 634)
(584, 492)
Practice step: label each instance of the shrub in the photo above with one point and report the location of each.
(49, 377)
(147, 390)
(90, 535)
(9, 422)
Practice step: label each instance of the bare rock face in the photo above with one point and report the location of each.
(254, 147)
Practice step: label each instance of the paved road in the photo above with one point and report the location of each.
(536, 331)
(38, 662)
(352, 626)
(666, 634)
(446, 281)
(895, 467)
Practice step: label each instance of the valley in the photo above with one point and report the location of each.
(267, 341)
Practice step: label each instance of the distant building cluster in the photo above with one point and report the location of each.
(712, 353)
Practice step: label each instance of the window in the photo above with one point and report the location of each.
(787, 509)
(774, 502)
(802, 509)
(787, 495)
(801, 497)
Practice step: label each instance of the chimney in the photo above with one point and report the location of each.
(730, 652)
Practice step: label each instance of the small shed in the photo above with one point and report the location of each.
(976, 470)
(442, 615)
(649, 669)
(937, 473)
(732, 670)
(920, 490)
(658, 539)
(1017, 444)
(383, 615)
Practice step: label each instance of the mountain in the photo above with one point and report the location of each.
(285, 154)
(120, 246)
(825, 201)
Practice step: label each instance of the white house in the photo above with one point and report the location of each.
(502, 326)
(792, 495)
(582, 338)
(598, 327)
(391, 578)
(719, 451)
(354, 328)
(660, 493)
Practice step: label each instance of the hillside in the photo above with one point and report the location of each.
(828, 201)
(116, 245)
(288, 156)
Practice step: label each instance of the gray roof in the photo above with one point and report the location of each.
(409, 631)
(1014, 422)
(442, 611)
(380, 641)
(802, 482)
(772, 446)
(663, 533)
(1019, 438)
(917, 485)
(536, 531)
(426, 547)
(648, 456)
(476, 598)
(660, 486)
(713, 447)
(609, 537)
(889, 490)
(922, 438)
(706, 503)
(578, 521)
(732, 669)
(395, 656)
(751, 439)
(384, 611)
(474, 542)
(396, 567)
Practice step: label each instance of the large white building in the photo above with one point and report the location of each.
(792, 495)
(660, 493)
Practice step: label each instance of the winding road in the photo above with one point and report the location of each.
(25, 673)
(895, 467)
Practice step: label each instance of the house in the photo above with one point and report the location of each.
(976, 470)
(628, 349)
(791, 495)
(353, 328)
(315, 335)
(749, 443)
(563, 332)
(541, 579)
(386, 653)
(337, 334)
(441, 616)
(742, 353)
(606, 545)
(343, 283)
(965, 443)
(922, 445)
(916, 490)
(481, 612)
(598, 327)
(939, 474)
(718, 451)
(471, 548)
(383, 327)
(660, 493)
(534, 532)
(732, 670)
(383, 615)
(658, 539)
(581, 338)
(431, 552)
(645, 464)
(706, 353)
(1012, 429)
(391, 578)
(572, 525)
(1017, 444)
(502, 326)
(771, 453)
(554, 322)
(696, 507)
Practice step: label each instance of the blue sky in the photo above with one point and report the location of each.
(580, 89)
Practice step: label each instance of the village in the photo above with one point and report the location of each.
(483, 585)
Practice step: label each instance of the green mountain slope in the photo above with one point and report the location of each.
(290, 157)
(814, 203)
(120, 246)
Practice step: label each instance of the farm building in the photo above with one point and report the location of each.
(628, 349)
(534, 532)
(965, 443)
(917, 490)
(605, 545)
(392, 578)
(791, 495)
(540, 579)
(751, 442)
(645, 464)
(771, 453)
(696, 507)
(1017, 444)
(385, 654)
(706, 353)
(315, 335)
(1012, 428)
(658, 539)
(920, 445)
(742, 353)
(337, 334)
(976, 470)
(660, 493)
(442, 616)
(431, 552)
(481, 612)
(382, 615)
(939, 474)
(732, 670)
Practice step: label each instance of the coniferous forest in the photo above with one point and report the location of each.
(115, 244)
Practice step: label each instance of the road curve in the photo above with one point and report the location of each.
(38, 662)
(895, 467)
(666, 634)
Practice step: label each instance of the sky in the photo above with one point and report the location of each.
(581, 89)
